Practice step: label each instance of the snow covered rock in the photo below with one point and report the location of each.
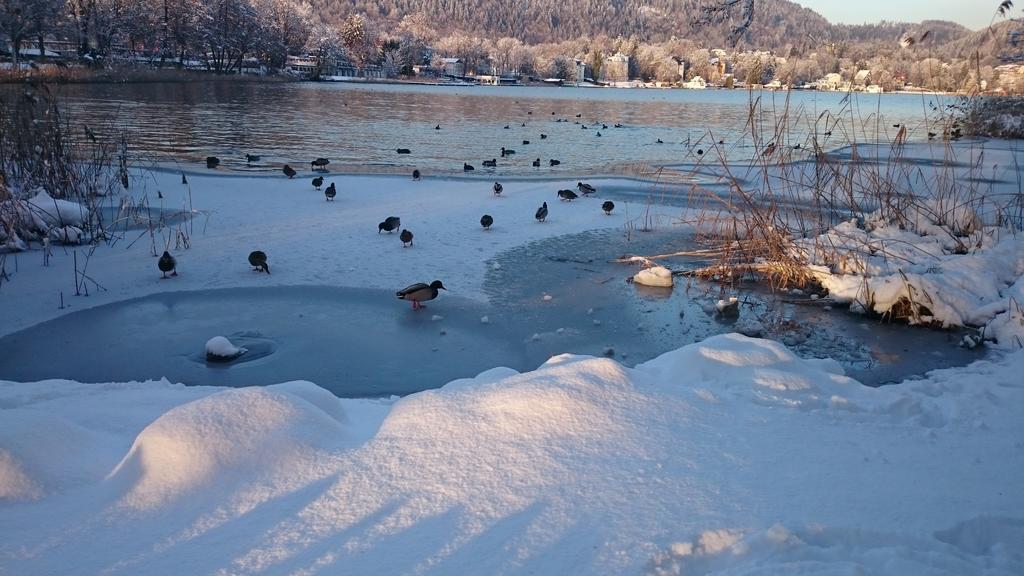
(220, 349)
(658, 276)
(730, 307)
(66, 235)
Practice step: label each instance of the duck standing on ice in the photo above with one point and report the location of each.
(166, 264)
(390, 224)
(542, 212)
(258, 260)
(420, 292)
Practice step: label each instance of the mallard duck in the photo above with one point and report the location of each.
(389, 224)
(553, 162)
(289, 171)
(167, 263)
(491, 163)
(542, 212)
(330, 192)
(420, 292)
(318, 182)
(585, 188)
(608, 206)
(406, 238)
(497, 188)
(486, 221)
(506, 152)
(467, 167)
(258, 260)
(250, 158)
(567, 195)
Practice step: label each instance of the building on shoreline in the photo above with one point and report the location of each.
(615, 68)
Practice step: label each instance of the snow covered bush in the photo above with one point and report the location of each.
(997, 117)
(51, 175)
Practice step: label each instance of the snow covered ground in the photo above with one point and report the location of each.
(728, 456)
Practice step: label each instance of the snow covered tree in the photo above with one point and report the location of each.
(285, 28)
(326, 46)
(358, 39)
(228, 31)
(562, 68)
(392, 57)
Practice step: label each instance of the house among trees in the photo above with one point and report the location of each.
(453, 67)
(696, 83)
(307, 66)
(615, 68)
(831, 81)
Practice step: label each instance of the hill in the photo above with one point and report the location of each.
(776, 23)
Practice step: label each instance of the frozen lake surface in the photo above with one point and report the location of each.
(548, 297)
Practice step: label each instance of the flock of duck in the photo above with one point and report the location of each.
(419, 292)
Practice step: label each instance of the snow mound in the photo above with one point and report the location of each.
(658, 276)
(237, 434)
(763, 371)
(54, 212)
(220, 349)
(567, 397)
(43, 454)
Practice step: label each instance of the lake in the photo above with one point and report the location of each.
(360, 126)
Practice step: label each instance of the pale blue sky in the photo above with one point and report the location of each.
(974, 14)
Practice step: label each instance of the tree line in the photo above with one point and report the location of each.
(534, 37)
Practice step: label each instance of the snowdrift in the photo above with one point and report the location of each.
(724, 456)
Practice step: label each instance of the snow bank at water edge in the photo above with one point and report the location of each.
(726, 456)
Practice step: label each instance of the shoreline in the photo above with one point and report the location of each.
(136, 75)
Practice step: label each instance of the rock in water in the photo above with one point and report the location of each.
(220, 349)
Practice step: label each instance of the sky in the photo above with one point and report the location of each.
(973, 14)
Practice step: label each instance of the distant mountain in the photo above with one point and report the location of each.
(779, 25)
